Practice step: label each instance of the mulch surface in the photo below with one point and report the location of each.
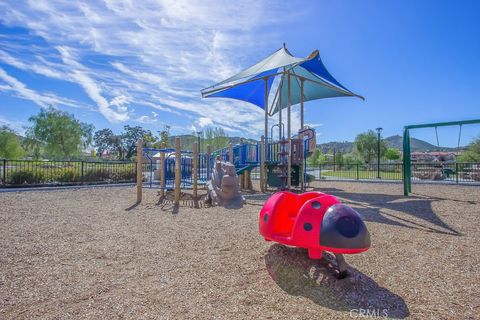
(93, 253)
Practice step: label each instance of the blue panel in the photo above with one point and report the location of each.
(253, 92)
(316, 66)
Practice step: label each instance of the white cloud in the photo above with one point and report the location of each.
(22, 91)
(157, 54)
(204, 121)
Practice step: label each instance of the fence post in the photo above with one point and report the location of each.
(358, 178)
(195, 169)
(4, 176)
(178, 169)
(456, 172)
(139, 170)
(82, 172)
(230, 153)
(320, 171)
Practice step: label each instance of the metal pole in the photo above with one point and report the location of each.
(302, 166)
(406, 161)
(456, 172)
(379, 130)
(4, 176)
(262, 164)
(289, 165)
(263, 182)
(82, 171)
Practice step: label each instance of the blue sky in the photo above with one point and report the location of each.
(113, 63)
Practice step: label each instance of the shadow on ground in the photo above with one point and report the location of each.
(296, 274)
(377, 208)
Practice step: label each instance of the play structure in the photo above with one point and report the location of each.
(435, 173)
(276, 83)
(315, 221)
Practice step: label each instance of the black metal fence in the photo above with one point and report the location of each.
(431, 171)
(17, 173)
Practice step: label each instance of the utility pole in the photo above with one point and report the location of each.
(379, 130)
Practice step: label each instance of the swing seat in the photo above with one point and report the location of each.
(315, 221)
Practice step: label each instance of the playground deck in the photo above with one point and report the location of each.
(91, 253)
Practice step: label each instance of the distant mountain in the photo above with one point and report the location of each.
(344, 147)
(396, 141)
(416, 145)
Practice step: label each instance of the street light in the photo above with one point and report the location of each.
(379, 130)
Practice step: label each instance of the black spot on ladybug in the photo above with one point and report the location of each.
(316, 205)
(307, 226)
(265, 217)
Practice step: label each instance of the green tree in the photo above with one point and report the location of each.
(351, 158)
(215, 137)
(392, 154)
(366, 145)
(472, 154)
(130, 137)
(62, 135)
(164, 138)
(313, 159)
(10, 145)
(106, 140)
(339, 158)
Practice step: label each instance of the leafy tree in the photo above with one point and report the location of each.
(215, 137)
(164, 138)
(366, 145)
(316, 158)
(339, 158)
(106, 140)
(472, 154)
(33, 147)
(130, 138)
(392, 154)
(10, 146)
(62, 135)
(351, 158)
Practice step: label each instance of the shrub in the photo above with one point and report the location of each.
(26, 177)
(68, 175)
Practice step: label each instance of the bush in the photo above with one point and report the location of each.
(26, 177)
(68, 175)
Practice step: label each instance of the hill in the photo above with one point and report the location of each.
(416, 145)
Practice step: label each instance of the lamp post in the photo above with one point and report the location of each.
(379, 130)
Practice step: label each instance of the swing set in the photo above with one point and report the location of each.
(407, 168)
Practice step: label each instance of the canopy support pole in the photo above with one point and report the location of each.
(289, 128)
(264, 182)
(302, 167)
(281, 137)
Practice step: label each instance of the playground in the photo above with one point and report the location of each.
(93, 253)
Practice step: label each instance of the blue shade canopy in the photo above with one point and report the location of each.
(249, 85)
